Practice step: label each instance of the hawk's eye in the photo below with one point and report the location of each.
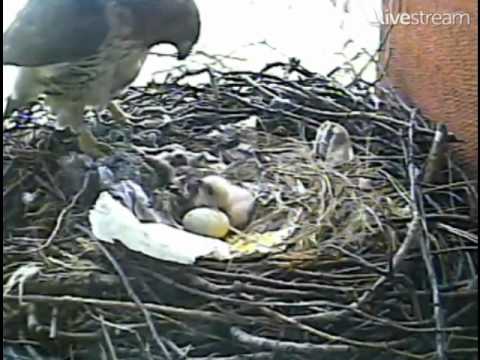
(209, 190)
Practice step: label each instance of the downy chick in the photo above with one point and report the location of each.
(219, 193)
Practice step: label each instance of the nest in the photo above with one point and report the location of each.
(382, 262)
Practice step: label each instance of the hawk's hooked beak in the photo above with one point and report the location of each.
(184, 50)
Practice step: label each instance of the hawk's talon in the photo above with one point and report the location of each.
(120, 116)
(89, 145)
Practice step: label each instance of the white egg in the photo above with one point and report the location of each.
(207, 222)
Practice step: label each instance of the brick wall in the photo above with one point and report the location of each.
(435, 68)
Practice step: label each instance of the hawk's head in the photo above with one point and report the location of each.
(174, 22)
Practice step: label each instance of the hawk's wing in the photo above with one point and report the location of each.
(48, 32)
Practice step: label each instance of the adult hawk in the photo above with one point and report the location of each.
(84, 52)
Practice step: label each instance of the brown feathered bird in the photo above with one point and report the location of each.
(83, 53)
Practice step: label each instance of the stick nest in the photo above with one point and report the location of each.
(382, 263)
